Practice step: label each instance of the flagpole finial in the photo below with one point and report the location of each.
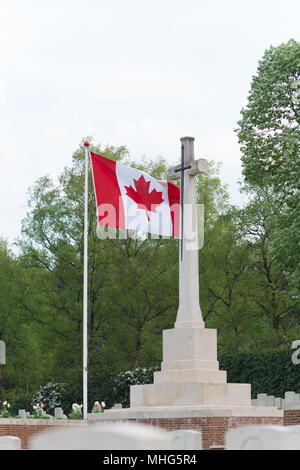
(187, 138)
(86, 143)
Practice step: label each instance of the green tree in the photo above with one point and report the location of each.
(269, 134)
(226, 284)
(223, 260)
(23, 369)
(244, 292)
(272, 293)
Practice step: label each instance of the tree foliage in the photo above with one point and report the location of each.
(269, 134)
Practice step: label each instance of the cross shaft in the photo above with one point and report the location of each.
(189, 313)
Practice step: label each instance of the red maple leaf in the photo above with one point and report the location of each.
(142, 197)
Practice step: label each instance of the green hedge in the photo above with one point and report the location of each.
(270, 372)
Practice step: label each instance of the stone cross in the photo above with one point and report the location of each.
(189, 313)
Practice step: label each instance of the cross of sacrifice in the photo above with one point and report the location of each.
(189, 313)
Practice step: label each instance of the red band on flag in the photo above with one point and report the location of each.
(107, 191)
(174, 201)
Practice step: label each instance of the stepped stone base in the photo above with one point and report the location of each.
(185, 412)
(190, 392)
(190, 374)
(196, 394)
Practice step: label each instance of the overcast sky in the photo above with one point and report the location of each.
(136, 73)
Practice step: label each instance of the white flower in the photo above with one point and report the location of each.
(103, 404)
(76, 408)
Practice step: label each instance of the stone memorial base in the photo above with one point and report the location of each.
(190, 374)
(209, 394)
(187, 413)
(190, 392)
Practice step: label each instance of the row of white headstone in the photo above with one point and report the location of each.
(129, 436)
(58, 414)
(291, 400)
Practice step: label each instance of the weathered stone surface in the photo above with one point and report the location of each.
(185, 439)
(10, 443)
(105, 436)
(190, 394)
(184, 411)
(263, 438)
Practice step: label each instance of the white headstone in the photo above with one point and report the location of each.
(10, 443)
(295, 429)
(185, 439)
(262, 399)
(290, 396)
(278, 402)
(291, 401)
(112, 436)
(58, 413)
(22, 414)
(262, 438)
(2, 352)
(270, 400)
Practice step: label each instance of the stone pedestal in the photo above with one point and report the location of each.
(190, 374)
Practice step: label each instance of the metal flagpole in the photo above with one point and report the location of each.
(85, 280)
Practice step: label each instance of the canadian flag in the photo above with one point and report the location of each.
(131, 199)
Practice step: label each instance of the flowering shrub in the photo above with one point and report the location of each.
(98, 407)
(76, 412)
(5, 413)
(49, 395)
(38, 410)
(121, 384)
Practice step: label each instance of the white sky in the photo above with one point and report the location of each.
(136, 73)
